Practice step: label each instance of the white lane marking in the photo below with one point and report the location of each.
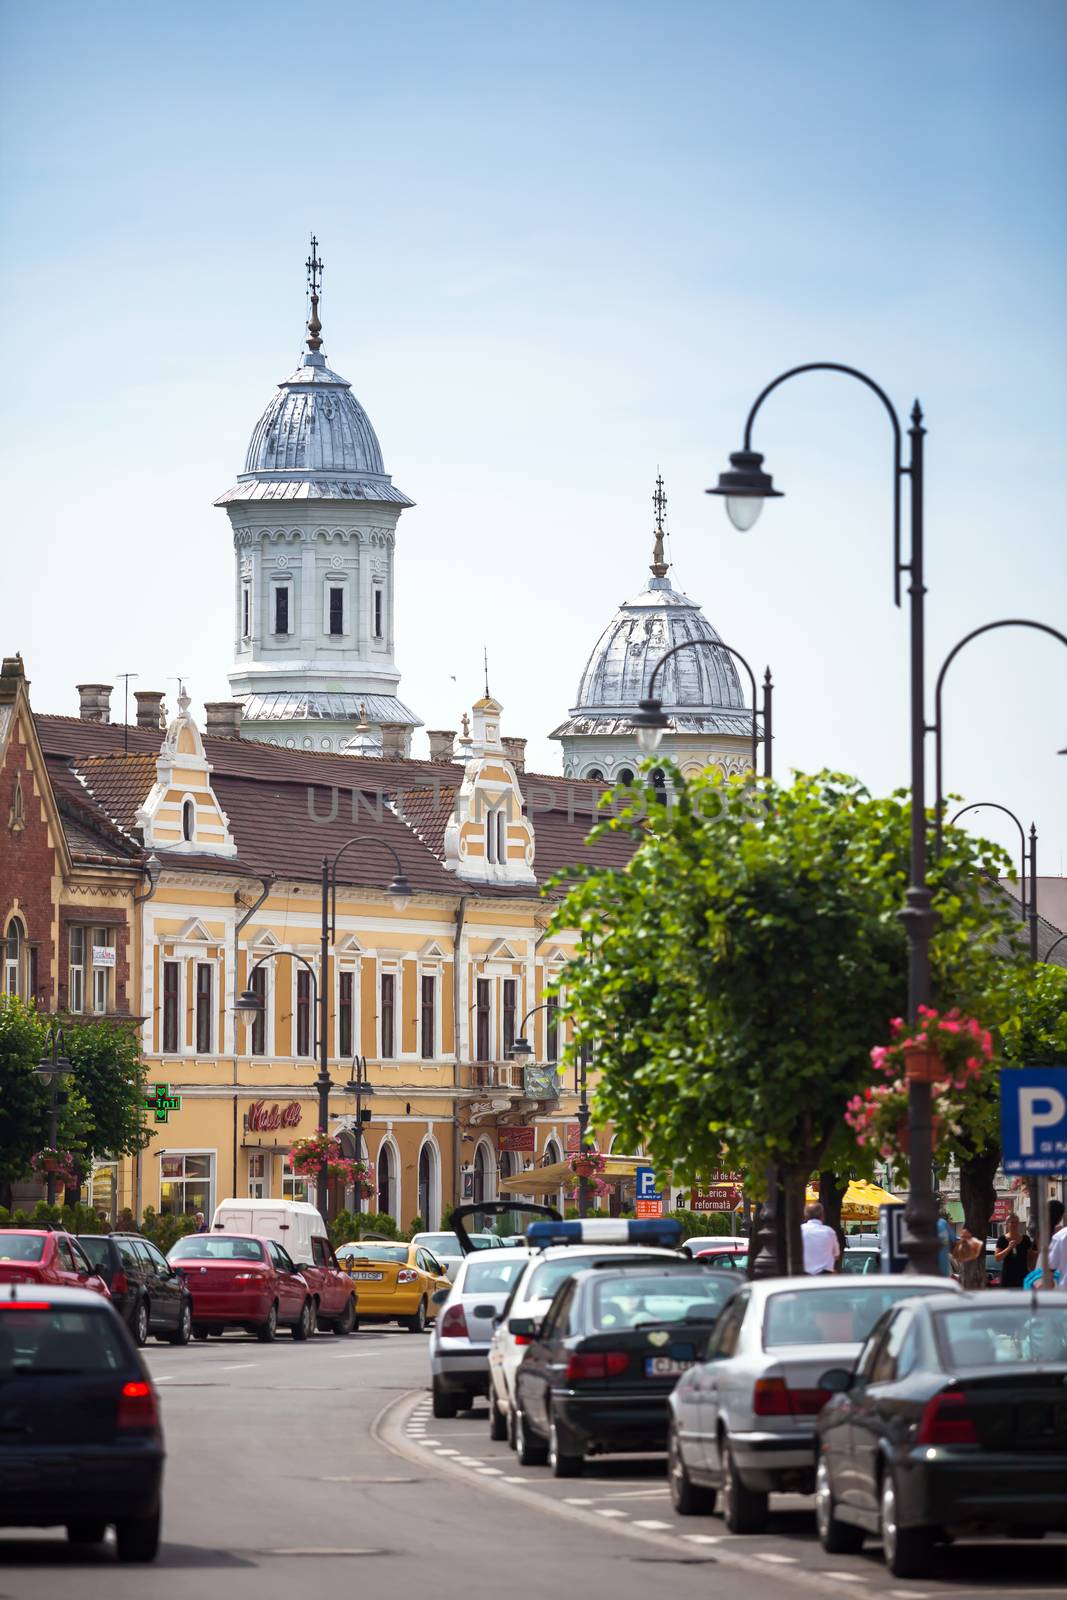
(424, 1440)
(236, 1366)
(778, 1560)
(167, 1377)
(652, 1524)
(440, 1452)
(569, 1500)
(608, 1511)
(854, 1577)
(516, 1480)
(491, 1472)
(702, 1538)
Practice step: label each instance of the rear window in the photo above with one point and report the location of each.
(59, 1340)
(97, 1248)
(21, 1246)
(439, 1244)
(491, 1277)
(1004, 1334)
(216, 1247)
(374, 1252)
(546, 1279)
(830, 1316)
(638, 1302)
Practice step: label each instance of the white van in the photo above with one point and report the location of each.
(298, 1227)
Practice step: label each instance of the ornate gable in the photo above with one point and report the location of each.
(181, 813)
(488, 838)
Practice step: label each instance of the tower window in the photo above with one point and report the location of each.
(337, 609)
(625, 776)
(379, 609)
(246, 610)
(188, 820)
(281, 608)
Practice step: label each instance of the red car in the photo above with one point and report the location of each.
(47, 1255)
(239, 1280)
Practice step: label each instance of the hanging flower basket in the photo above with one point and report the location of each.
(941, 1048)
(319, 1156)
(62, 1165)
(588, 1165)
(923, 1065)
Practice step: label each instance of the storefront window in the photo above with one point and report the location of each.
(293, 1188)
(185, 1185)
(103, 1191)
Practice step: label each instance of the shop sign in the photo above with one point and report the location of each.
(1002, 1209)
(103, 955)
(572, 1138)
(649, 1208)
(266, 1119)
(516, 1139)
(162, 1101)
(716, 1197)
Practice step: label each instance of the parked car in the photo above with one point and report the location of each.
(953, 1417)
(395, 1281)
(717, 1244)
(298, 1227)
(459, 1339)
(743, 1420)
(47, 1255)
(238, 1280)
(445, 1248)
(598, 1372)
(81, 1444)
(147, 1292)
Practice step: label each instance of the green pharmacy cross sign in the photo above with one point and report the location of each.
(162, 1101)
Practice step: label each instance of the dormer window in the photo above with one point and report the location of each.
(188, 821)
(496, 836)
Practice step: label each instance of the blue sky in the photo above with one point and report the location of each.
(566, 244)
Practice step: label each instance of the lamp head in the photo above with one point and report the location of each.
(248, 1004)
(649, 721)
(521, 1048)
(399, 892)
(745, 487)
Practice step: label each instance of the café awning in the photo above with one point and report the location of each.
(546, 1180)
(861, 1202)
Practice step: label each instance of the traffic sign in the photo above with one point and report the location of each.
(716, 1197)
(645, 1179)
(891, 1238)
(648, 1208)
(1033, 1119)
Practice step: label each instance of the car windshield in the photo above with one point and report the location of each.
(21, 1246)
(1002, 1334)
(216, 1247)
(439, 1244)
(490, 1277)
(634, 1302)
(829, 1316)
(374, 1252)
(58, 1340)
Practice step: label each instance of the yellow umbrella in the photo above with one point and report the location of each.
(861, 1202)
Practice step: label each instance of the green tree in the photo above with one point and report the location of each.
(735, 976)
(107, 1102)
(23, 1098)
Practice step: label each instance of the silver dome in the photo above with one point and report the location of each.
(314, 424)
(617, 673)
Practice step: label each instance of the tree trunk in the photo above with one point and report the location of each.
(831, 1197)
(978, 1195)
(794, 1183)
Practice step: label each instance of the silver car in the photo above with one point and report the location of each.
(459, 1340)
(743, 1421)
(445, 1247)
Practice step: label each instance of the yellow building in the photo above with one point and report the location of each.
(213, 849)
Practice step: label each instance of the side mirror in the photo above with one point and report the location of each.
(523, 1327)
(836, 1381)
(439, 1296)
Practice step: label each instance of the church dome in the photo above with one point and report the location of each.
(314, 424)
(617, 673)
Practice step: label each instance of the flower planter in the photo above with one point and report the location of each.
(923, 1065)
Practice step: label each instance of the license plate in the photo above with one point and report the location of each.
(375, 1277)
(664, 1367)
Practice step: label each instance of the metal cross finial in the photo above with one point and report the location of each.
(314, 272)
(659, 504)
(485, 662)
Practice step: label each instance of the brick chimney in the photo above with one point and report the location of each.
(223, 718)
(442, 743)
(395, 736)
(94, 702)
(515, 750)
(148, 704)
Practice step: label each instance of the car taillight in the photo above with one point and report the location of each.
(772, 1397)
(453, 1324)
(119, 1283)
(596, 1364)
(246, 1277)
(945, 1421)
(407, 1275)
(137, 1406)
(26, 1305)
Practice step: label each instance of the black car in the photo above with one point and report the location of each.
(599, 1371)
(80, 1438)
(146, 1291)
(954, 1419)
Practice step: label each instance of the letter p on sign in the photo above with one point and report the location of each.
(1038, 1108)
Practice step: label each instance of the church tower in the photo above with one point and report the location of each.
(314, 516)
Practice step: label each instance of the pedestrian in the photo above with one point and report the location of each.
(947, 1244)
(822, 1248)
(201, 1223)
(1012, 1250)
(1057, 1250)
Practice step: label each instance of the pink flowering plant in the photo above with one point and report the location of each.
(59, 1164)
(319, 1154)
(588, 1164)
(964, 1046)
(878, 1115)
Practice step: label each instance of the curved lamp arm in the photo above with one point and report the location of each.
(272, 955)
(936, 730)
(993, 805)
(1053, 945)
(708, 644)
(399, 886)
(898, 470)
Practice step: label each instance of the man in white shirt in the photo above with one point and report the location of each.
(821, 1244)
(1057, 1255)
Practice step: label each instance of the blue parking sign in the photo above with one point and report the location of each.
(646, 1184)
(1033, 1119)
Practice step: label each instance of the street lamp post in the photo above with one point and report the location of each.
(522, 1048)
(937, 730)
(249, 1004)
(993, 805)
(745, 486)
(54, 1068)
(651, 719)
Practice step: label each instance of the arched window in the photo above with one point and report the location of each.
(428, 1185)
(658, 779)
(595, 776)
(14, 957)
(625, 776)
(481, 1184)
(188, 820)
(552, 1154)
(387, 1195)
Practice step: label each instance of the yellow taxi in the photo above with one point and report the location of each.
(395, 1282)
